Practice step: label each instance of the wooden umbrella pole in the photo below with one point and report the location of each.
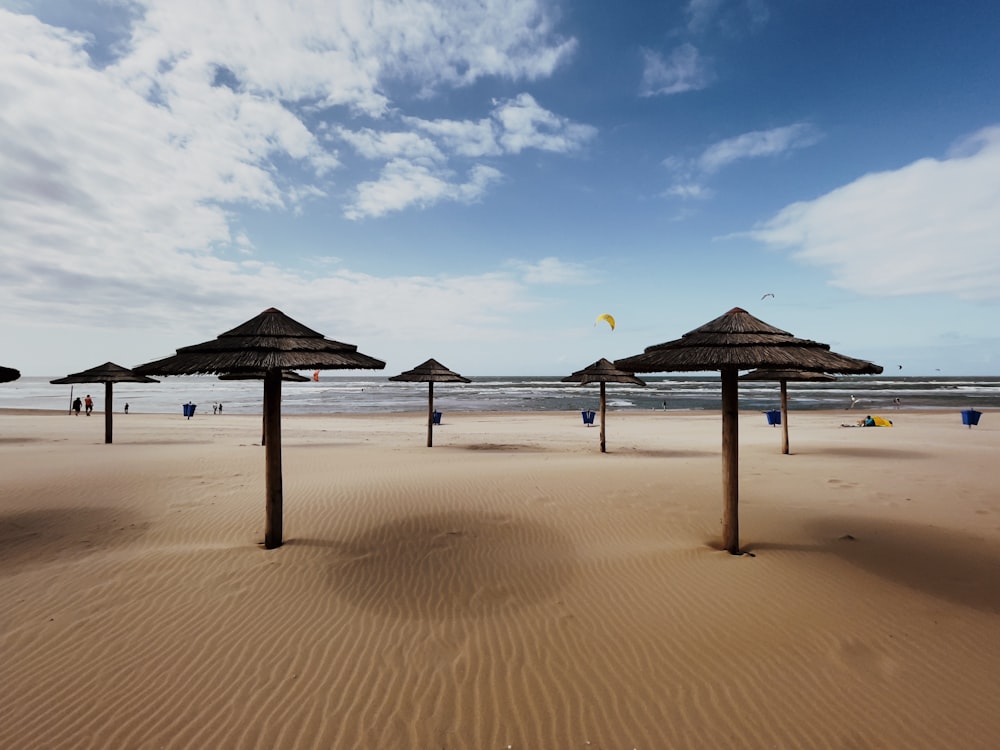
(603, 408)
(430, 413)
(108, 410)
(272, 460)
(730, 461)
(784, 417)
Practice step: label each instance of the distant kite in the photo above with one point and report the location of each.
(769, 294)
(900, 367)
(607, 318)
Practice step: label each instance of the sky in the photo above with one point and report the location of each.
(478, 180)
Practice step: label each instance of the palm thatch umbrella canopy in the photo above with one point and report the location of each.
(430, 372)
(783, 376)
(602, 371)
(109, 373)
(287, 375)
(8, 374)
(730, 343)
(270, 343)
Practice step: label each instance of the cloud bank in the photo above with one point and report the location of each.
(930, 227)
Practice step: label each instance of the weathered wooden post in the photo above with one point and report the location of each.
(730, 461)
(272, 460)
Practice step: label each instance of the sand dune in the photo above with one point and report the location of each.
(510, 587)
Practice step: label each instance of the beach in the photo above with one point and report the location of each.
(511, 587)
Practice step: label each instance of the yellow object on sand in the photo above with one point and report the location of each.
(881, 422)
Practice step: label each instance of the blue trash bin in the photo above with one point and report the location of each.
(971, 417)
(588, 417)
(773, 417)
(436, 417)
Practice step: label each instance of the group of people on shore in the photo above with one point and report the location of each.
(87, 404)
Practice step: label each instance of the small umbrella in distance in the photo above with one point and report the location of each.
(430, 372)
(602, 371)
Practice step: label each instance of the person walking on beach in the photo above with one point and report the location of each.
(77, 405)
(220, 407)
(126, 407)
(88, 404)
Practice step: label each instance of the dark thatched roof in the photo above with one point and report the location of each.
(109, 372)
(288, 376)
(270, 340)
(430, 371)
(8, 374)
(788, 375)
(739, 340)
(602, 371)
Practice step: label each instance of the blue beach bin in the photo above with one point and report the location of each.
(971, 417)
(189, 410)
(436, 417)
(588, 417)
(773, 417)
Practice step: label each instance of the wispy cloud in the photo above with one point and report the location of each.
(690, 175)
(732, 17)
(927, 228)
(553, 270)
(756, 144)
(684, 70)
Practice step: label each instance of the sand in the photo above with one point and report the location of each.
(511, 587)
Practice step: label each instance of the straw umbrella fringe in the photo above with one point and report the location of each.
(109, 373)
(602, 371)
(783, 376)
(732, 342)
(430, 372)
(270, 343)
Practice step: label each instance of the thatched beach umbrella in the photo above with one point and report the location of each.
(109, 373)
(783, 376)
(8, 374)
(430, 372)
(270, 343)
(288, 376)
(730, 343)
(602, 371)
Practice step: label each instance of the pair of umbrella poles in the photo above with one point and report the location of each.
(272, 343)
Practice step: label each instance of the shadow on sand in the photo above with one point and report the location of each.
(450, 566)
(945, 564)
(63, 533)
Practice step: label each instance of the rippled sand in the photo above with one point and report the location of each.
(510, 587)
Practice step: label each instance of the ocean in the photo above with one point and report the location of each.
(344, 394)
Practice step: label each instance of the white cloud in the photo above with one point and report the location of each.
(689, 190)
(418, 174)
(757, 143)
(404, 183)
(685, 70)
(525, 125)
(928, 227)
(120, 172)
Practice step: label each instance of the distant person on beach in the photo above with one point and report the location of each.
(896, 402)
(215, 408)
(220, 407)
(88, 404)
(853, 402)
(77, 405)
(126, 407)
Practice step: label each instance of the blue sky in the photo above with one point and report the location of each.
(476, 181)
